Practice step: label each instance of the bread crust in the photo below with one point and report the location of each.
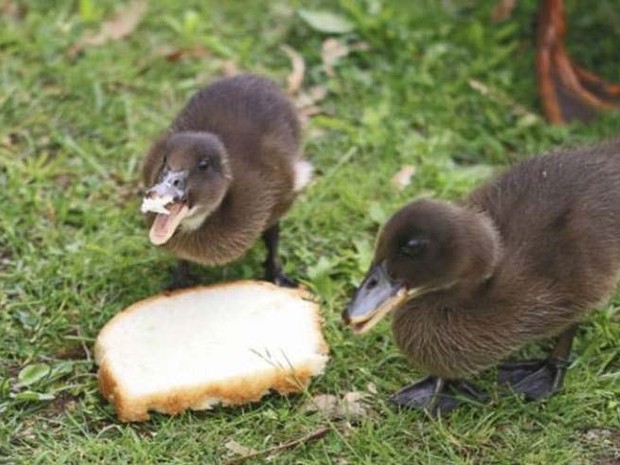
(233, 391)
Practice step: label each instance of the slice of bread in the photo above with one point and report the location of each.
(194, 348)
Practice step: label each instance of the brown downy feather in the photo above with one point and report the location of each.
(556, 222)
(260, 132)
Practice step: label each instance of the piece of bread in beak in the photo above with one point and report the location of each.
(192, 349)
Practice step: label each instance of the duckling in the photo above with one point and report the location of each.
(524, 257)
(224, 173)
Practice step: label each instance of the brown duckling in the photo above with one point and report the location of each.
(225, 172)
(523, 258)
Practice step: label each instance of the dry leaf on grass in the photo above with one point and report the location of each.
(313, 133)
(351, 407)
(13, 10)
(230, 68)
(310, 97)
(403, 177)
(332, 51)
(119, 26)
(238, 449)
(327, 404)
(355, 404)
(173, 54)
(296, 78)
(307, 102)
(597, 434)
(123, 23)
(503, 10)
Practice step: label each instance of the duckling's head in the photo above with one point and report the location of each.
(426, 247)
(191, 183)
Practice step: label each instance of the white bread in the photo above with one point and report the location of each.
(194, 348)
(156, 204)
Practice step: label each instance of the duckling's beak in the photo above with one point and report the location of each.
(171, 183)
(375, 298)
(168, 200)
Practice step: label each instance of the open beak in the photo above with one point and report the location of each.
(171, 184)
(168, 200)
(377, 296)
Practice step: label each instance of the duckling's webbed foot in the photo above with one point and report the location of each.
(436, 395)
(273, 267)
(536, 379)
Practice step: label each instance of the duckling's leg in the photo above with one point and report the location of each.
(436, 395)
(182, 276)
(567, 92)
(273, 267)
(540, 378)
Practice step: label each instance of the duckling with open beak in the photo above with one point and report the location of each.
(523, 258)
(223, 175)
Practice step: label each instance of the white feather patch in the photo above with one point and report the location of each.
(303, 174)
(194, 219)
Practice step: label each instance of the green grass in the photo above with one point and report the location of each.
(73, 249)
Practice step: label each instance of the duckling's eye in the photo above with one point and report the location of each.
(203, 165)
(414, 248)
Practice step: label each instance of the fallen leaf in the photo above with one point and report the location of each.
(122, 23)
(306, 102)
(351, 406)
(354, 404)
(119, 26)
(347, 428)
(403, 177)
(313, 133)
(327, 404)
(326, 21)
(503, 10)
(296, 78)
(372, 388)
(27, 433)
(597, 434)
(238, 449)
(332, 51)
(8, 7)
(230, 68)
(310, 97)
(480, 87)
(12, 10)
(309, 112)
(176, 54)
